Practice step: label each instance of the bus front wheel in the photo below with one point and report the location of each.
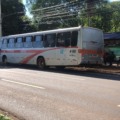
(41, 63)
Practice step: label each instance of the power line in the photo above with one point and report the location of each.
(83, 15)
(59, 11)
(64, 5)
(53, 15)
(74, 14)
(67, 19)
(57, 7)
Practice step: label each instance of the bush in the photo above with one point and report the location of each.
(2, 117)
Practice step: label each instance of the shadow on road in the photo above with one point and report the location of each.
(72, 71)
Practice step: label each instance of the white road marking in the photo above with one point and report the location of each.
(24, 84)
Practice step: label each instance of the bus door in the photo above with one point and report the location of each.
(60, 56)
(71, 50)
(49, 44)
(67, 53)
(60, 51)
(71, 56)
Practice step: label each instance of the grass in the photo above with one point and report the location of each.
(2, 117)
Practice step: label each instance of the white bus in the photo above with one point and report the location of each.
(60, 48)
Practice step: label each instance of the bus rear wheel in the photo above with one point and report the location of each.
(41, 63)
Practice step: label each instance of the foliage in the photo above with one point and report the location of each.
(2, 117)
(115, 18)
(99, 18)
(106, 17)
(12, 17)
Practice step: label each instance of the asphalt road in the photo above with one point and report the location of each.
(31, 94)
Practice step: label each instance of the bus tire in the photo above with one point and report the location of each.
(41, 63)
(4, 60)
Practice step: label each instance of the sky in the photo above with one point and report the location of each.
(114, 0)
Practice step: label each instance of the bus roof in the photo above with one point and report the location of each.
(45, 32)
(48, 32)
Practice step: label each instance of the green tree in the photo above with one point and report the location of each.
(106, 17)
(102, 19)
(13, 22)
(115, 21)
(12, 10)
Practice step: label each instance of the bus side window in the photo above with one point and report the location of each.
(60, 40)
(50, 40)
(74, 38)
(19, 43)
(38, 42)
(67, 38)
(11, 43)
(4, 43)
(28, 42)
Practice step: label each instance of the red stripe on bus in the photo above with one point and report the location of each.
(85, 51)
(11, 51)
(21, 51)
(27, 59)
(36, 52)
(31, 51)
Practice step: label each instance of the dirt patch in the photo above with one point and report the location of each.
(99, 69)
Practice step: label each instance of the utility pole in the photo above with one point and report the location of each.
(0, 20)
